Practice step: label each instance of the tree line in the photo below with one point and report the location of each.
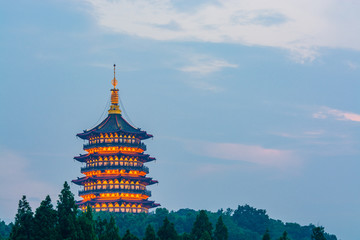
(66, 221)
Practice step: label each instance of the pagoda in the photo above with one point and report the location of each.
(115, 175)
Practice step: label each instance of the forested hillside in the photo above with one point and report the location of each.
(65, 221)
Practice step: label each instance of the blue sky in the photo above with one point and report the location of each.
(248, 102)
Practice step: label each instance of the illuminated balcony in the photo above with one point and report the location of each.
(109, 167)
(115, 144)
(115, 190)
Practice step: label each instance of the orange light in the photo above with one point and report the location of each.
(116, 149)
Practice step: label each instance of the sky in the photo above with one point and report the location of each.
(250, 102)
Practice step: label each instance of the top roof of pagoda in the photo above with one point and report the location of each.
(114, 123)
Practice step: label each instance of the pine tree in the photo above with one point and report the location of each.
(100, 228)
(45, 221)
(87, 225)
(112, 231)
(201, 225)
(266, 235)
(167, 231)
(221, 231)
(23, 226)
(318, 233)
(129, 236)
(67, 227)
(185, 236)
(284, 236)
(205, 236)
(150, 233)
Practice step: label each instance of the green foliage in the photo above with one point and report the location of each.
(167, 231)
(87, 225)
(221, 231)
(150, 233)
(68, 227)
(201, 226)
(4, 230)
(205, 236)
(318, 233)
(129, 236)
(23, 226)
(251, 218)
(266, 235)
(45, 221)
(284, 236)
(112, 231)
(66, 222)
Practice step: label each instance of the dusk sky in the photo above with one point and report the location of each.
(249, 101)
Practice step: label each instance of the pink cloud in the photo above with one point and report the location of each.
(248, 153)
(338, 114)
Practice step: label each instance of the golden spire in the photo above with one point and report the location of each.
(114, 108)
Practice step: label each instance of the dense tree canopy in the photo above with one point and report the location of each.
(45, 221)
(23, 226)
(68, 222)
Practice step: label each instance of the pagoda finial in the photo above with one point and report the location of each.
(114, 108)
(114, 81)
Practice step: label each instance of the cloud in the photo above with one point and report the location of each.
(15, 181)
(206, 65)
(352, 65)
(199, 66)
(298, 26)
(247, 153)
(302, 135)
(327, 112)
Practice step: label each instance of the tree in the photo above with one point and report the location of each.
(167, 231)
(251, 218)
(221, 231)
(201, 225)
(45, 221)
(100, 228)
(205, 236)
(150, 233)
(87, 225)
(284, 236)
(129, 236)
(67, 227)
(5, 230)
(266, 235)
(23, 226)
(318, 233)
(112, 231)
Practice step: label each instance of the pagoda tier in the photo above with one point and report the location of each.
(115, 175)
(114, 205)
(143, 180)
(111, 157)
(114, 123)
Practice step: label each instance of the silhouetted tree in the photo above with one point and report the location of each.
(254, 219)
(100, 228)
(67, 227)
(284, 236)
(23, 226)
(112, 231)
(150, 233)
(221, 231)
(185, 236)
(87, 225)
(205, 236)
(201, 225)
(318, 233)
(167, 231)
(266, 235)
(129, 236)
(45, 221)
